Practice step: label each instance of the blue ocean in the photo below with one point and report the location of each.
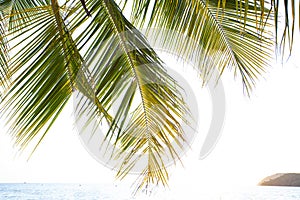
(102, 192)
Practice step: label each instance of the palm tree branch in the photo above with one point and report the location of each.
(62, 34)
(129, 59)
(214, 29)
(123, 65)
(4, 57)
(43, 74)
(77, 79)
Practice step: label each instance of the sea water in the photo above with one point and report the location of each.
(111, 192)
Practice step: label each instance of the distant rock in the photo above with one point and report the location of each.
(282, 179)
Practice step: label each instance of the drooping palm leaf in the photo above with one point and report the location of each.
(40, 87)
(230, 33)
(5, 7)
(124, 66)
(44, 67)
(21, 12)
(4, 75)
(285, 39)
(4, 57)
(220, 35)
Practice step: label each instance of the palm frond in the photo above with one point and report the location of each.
(44, 66)
(4, 57)
(285, 38)
(234, 33)
(125, 67)
(22, 12)
(5, 7)
(40, 85)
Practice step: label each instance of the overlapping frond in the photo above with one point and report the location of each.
(40, 85)
(220, 34)
(22, 12)
(43, 65)
(124, 68)
(4, 72)
(5, 7)
(287, 19)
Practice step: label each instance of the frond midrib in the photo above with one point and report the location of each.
(130, 62)
(222, 32)
(62, 33)
(60, 27)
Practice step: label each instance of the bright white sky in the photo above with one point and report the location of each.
(260, 137)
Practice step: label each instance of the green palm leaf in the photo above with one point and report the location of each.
(4, 57)
(40, 86)
(43, 71)
(124, 66)
(286, 39)
(21, 12)
(219, 36)
(46, 68)
(230, 33)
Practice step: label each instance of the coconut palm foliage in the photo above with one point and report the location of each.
(3, 46)
(3, 56)
(229, 33)
(51, 49)
(47, 66)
